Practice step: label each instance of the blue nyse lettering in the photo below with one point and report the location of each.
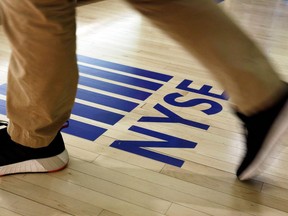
(108, 97)
(138, 147)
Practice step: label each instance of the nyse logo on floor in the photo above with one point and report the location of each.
(168, 140)
(122, 88)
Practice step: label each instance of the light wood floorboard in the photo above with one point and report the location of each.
(105, 181)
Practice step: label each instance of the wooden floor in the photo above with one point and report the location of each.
(105, 181)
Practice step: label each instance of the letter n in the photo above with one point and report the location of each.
(139, 147)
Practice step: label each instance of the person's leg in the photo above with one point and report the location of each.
(243, 70)
(43, 74)
(205, 31)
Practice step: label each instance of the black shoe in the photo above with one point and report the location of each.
(16, 158)
(263, 131)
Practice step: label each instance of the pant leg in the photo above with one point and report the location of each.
(43, 74)
(205, 31)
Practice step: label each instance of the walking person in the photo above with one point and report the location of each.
(42, 77)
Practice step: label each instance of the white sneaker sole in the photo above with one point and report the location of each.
(51, 164)
(276, 132)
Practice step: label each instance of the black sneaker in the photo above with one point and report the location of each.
(263, 131)
(16, 158)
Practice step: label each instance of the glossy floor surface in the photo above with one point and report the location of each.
(139, 93)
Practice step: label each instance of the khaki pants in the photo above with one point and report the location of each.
(205, 31)
(43, 72)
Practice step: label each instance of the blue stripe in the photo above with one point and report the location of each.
(86, 131)
(2, 107)
(76, 128)
(104, 86)
(123, 68)
(113, 88)
(105, 100)
(120, 78)
(96, 114)
(3, 89)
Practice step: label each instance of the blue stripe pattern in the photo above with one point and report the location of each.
(76, 128)
(124, 68)
(83, 130)
(120, 78)
(106, 100)
(92, 132)
(113, 88)
(96, 114)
